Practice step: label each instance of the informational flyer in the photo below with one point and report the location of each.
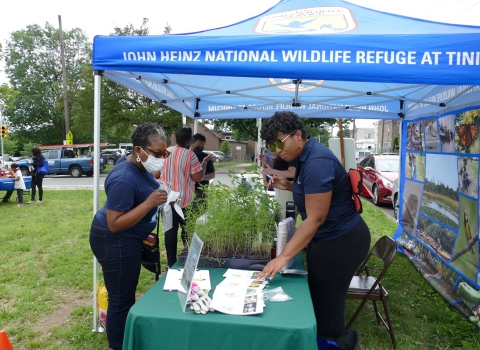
(174, 276)
(240, 293)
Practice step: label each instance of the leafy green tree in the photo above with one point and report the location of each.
(225, 147)
(246, 129)
(33, 67)
(323, 136)
(395, 145)
(346, 131)
(121, 109)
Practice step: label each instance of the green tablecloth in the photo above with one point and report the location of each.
(157, 322)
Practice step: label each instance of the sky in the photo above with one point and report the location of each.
(99, 17)
(434, 162)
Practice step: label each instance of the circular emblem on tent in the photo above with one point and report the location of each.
(288, 85)
(311, 20)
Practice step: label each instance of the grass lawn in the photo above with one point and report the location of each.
(227, 164)
(46, 284)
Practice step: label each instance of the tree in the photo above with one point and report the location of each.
(121, 108)
(395, 145)
(323, 137)
(346, 131)
(246, 129)
(33, 67)
(225, 147)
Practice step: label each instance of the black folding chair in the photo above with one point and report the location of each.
(369, 287)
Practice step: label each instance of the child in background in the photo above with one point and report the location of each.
(19, 183)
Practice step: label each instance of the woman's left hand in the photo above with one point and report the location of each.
(273, 267)
(267, 171)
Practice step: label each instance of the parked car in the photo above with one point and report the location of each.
(63, 161)
(220, 155)
(396, 197)
(216, 159)
(7, 163)
(379, 173)
(110, 157)
(120, 151)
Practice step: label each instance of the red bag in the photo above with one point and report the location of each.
(356, 182)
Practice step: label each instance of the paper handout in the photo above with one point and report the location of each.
(240, 293)
(172, 282)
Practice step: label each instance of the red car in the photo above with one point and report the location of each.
(379, 173)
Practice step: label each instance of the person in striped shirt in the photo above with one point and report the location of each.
(180, 172)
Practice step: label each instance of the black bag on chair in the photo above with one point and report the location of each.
(151, 253)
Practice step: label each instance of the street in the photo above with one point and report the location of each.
(68, 182)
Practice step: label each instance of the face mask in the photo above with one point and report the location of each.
(198, 150)
(153, 164)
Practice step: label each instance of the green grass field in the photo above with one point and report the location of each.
(46, 284)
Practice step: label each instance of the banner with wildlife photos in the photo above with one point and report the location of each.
(439, 211)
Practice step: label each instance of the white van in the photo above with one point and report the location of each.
(360, 154)
(126, 146)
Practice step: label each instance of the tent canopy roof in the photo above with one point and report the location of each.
(321, 58)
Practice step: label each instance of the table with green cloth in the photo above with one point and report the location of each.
(157, 321)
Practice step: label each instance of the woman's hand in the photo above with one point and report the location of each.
(279, 182)
(273, 267)
(156, 198)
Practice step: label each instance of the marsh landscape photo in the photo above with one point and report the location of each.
(440, 196)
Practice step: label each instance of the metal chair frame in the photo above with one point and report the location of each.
(370, 288)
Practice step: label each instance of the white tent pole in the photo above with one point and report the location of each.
(259, 141)
(195, 126)
(96, 185)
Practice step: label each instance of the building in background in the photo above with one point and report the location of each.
(240, 149)
(364, 139)
(385, 133)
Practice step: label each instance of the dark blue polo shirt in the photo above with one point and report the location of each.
(319, 171)
(126, 187)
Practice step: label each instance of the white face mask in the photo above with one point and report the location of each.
(153, 164)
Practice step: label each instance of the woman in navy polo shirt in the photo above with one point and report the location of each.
(126, 219)
(337, 238)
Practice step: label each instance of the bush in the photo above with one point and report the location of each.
(225, 147)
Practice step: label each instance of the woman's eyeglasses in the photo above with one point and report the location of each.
(279, 144)
(163, 154)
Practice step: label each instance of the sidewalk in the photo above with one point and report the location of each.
(236, 168)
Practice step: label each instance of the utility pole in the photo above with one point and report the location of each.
(65, 96)
(383, 129)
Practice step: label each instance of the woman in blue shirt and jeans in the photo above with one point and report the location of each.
(127, 218)
(337, 238)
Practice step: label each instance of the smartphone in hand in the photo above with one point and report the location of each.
(269, 155)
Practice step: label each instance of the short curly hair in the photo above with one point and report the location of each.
(142, 133)
(281, 122)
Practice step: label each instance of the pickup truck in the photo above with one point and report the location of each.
(63, 161)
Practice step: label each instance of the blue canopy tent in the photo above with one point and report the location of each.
(319, 58)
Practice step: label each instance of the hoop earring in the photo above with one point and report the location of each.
(138, 159)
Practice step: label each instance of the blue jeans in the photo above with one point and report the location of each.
(120, 259)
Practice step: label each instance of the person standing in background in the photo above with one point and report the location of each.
(180, 172)
(198, 145)
(37, 179)
(19, 183)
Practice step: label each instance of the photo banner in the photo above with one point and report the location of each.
(439, 209)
